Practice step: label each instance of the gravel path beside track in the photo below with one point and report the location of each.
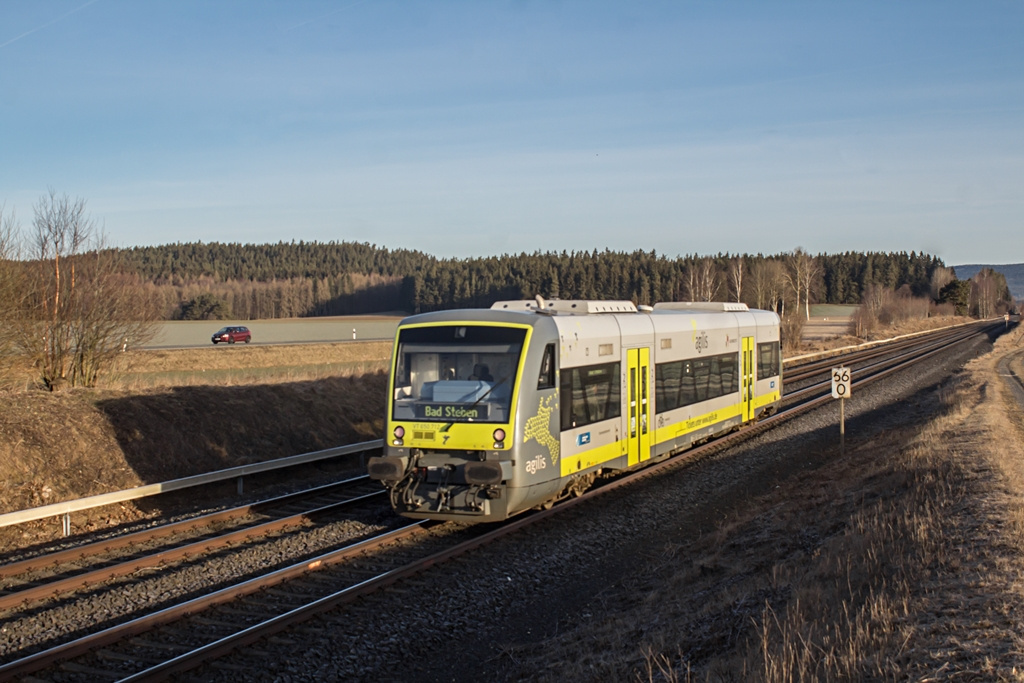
(467, 620)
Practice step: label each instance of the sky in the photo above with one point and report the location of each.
(472, 128)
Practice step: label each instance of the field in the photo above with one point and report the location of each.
(246, 364)
(194, 333)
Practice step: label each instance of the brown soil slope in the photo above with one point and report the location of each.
(56, 447)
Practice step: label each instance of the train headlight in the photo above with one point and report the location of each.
(499, 438)
(399, 433)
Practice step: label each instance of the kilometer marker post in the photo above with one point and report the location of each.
(841, 389)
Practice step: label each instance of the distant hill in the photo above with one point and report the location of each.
(1014, 274)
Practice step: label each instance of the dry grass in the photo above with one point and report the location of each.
(886, 332)
(902, 561)
(240, 364)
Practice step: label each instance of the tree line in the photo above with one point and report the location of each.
(250, 281)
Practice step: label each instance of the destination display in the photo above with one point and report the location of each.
(452, 411)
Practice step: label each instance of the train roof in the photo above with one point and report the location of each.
(532, 310)
(713, 306)
(588, 307)
(566, 306)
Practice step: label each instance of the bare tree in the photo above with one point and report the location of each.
(777, 286)
(767, 278)
(984, 293)
(803, 273)
(737, 267)
(10, 291)
(759, 281)
(707, 282)
(82, 308)
(941, 277)
(690, 273)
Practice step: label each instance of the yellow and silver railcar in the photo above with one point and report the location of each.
(496, 411)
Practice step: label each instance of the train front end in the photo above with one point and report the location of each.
(450, 444)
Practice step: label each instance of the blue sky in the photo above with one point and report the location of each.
(474, 128)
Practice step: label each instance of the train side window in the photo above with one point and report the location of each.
(682, 383)
(589, 394)
(547, 369)
(769, 359)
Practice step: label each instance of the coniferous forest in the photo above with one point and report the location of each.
(298, 279)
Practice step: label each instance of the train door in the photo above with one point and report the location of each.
(747, 373)
(638, 363)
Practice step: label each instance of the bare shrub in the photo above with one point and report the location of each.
(792, 327)
(79, 307)
(863, 322)
(882, 306)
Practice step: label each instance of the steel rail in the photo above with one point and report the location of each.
(914, 352)
(804, 371)
(97, 576)
(140, 625)
(85, 551)
(798, 359)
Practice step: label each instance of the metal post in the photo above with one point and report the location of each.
(241, 488)
(67, 524)
(842, 426)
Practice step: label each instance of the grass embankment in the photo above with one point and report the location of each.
(903, 560)
(163, 417)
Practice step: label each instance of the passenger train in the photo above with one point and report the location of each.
(495, 411)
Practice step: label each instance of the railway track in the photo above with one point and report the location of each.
(325, 581)
(47, 576)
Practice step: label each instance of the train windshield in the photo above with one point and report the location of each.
(456, 373)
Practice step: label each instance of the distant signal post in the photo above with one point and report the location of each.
(841, 389)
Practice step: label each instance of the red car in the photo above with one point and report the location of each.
(232, 335)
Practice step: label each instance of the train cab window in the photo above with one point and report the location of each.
(547, 369)
(456, 373)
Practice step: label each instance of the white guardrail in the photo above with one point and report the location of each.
(69, 506)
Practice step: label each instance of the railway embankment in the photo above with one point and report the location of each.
(76, 443)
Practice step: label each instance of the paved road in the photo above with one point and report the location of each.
(190, 333)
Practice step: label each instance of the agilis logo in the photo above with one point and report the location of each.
(701, 342)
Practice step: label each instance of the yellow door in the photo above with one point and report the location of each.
(638, 363)
(747, 373)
